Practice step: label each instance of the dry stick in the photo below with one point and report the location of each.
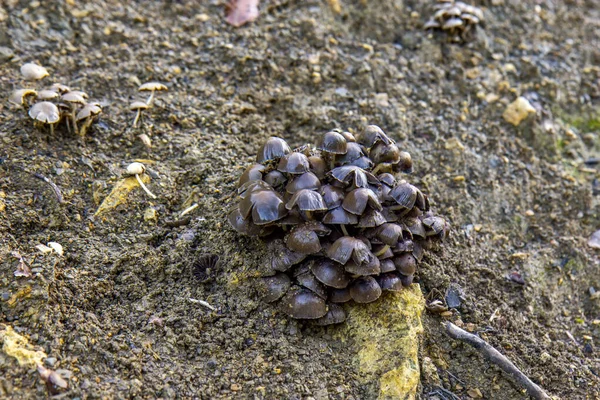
(494, 356)
(57, 191)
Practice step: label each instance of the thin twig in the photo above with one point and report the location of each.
(56, 189)
(202, 303)
(495, 357)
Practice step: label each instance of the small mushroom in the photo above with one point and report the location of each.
(348, 247)
(307, 201)
(274, 287)
(152, 87)
(365, 290)
(330, 273)
(302, 303)
(46, 113)
(335, 315)
(332, 144)
(294, 163)
(33, 72)
(47, 94)
(282, 257)
(304, 239)
(274, 148)
(372, 135)
(73, 99)
(137, 169)
(87, 115)
(252, 173)
(307, 180)
(138, 107)
(265, 206)
(20, 96)
(358, 199)
(406, 264)
(340, 295)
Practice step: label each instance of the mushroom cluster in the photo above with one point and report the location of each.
(140, 106)
(55, 104)
(339, 220)
(457, 19)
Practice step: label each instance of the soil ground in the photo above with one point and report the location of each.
(115, 309)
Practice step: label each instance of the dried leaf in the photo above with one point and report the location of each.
(240, 12)
(52, 377)
(57, 247)
(23, 269)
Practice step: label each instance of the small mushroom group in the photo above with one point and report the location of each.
(456, 19)
(339, 219)
(140, 106)
(56, 103)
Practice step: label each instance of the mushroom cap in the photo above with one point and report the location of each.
(333, 142)
(387, 265)
(294, 163)
(470, 18)
(406, 264)
(370, 268)
(283, 258)
(45, 112)
(205, 266)
(404, 194)
(73, 97)
(243, 225)
(138, 105)
(274, 287)
(253, 186)
(346, 247)
(152, 86)
(385, 153)
(33, 72)
(330, 273)
(390, 282)
(339, 216)
(317, 166)
(365, 290)
(81, 93)
(390, 234)
(307, 180)
(405, 163)
(302, 303)
(354, 151)
(266, 206)
(136, 168)
(350, 174)
(333, 196)
(18, 96)
(59, 88)
(372, 135)
(335, 315)
(452, 23)
(306, 200)
(275, 178)
(434, 225)
(371, 219)
(251, 173)
(415, 226)
(340, 295)
(357, 200)
(272, 149)
(431, 24)
(89, 110)
(47, 95)
(304, 240)
(307, 280)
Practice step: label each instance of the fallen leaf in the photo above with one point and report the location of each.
(240, 12)
(52, 377)
(22, 269)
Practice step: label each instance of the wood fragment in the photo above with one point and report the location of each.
(495, 357)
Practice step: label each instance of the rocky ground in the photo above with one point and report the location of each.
(113, 313)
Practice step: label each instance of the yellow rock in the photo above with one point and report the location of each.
(517, 111)
(386, 333)
(18, 346)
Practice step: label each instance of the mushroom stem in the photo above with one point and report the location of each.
(382, 251)
(52, 129)
(137, 176)
(309, 215)
(343, 227)
(73, 118)
(377, 168)
(332, 161)
(137, 117)
(149, 101)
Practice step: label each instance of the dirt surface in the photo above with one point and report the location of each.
(114, 310)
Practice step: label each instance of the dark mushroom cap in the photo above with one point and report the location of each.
(365, 290)
(307, 200)
(415, 226)
(335, 315)
(384, 153)
(274, 287)
(357, 200)
(333, 196)
(390, 282)
(332, 142)
(350, 174)
(307, 180)
(275, 179)
(348, 136)
(405, 163)
(339, 216)
(252, 173)
(266, 206)
(303, 304)
(243, 225)
(330, 273)
(371, 219)
(362, 162)
(307, 280)
(404, 246)
(404, 194)
(406, 264)
(353, 153)
(382, 251)
(294, 163)
(340, 295)
(434, 225)
(282, 257)
(252, 186)
(387, 265)
(204, 266)
(372, 135)
(303, 239)
(387, 179)
(406, 280)
(390, 234)
(348, 247)
(369, 268)
(317, 166)
(274, 148)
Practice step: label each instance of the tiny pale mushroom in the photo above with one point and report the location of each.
(47, 94)
(19, 96)
(73, 99)
(152, 87)
(33, 72)
(46, 113)
(136, 169)
(138, 107)
(87, 114)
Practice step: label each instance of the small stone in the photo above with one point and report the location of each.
(517, 111)
(475, 393)
(150, 214)
(50, 361)
(235, 387)
(594, 241)
(529, 213)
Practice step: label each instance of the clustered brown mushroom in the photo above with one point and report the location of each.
(55, 104)
(456, 19)
(339, 220)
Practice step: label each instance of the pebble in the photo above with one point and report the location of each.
(50, 361)
(594, 241)
(517, 111)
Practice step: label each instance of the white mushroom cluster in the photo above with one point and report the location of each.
(55, 105)
(456, 19)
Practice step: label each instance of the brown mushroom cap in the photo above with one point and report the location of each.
(330, 273)
(73, 97)
(372, 135)
(274, 287)
(138, 105)
(354, 151)
(357, 200)
(273, 148)
(335, 315)
(434, 225)
(406, 264)
(266, 206)
(371, 219)
(390, 234)
(18, 96)
(252, 173)
(384, 153)
(333, 142)
(350, 174)
(339, 216)
(307, 280)
(317, 166)
(387, 265)
(33, 72)
(404, 194)
(303, 239)
(242, 225)
(390, 282)
(365, 290)
(332, 196)
(307, 180)
(370, 268)
(303, 304)
(307, 200)
(282, 257)
(415, 226)
(294, 163)
(348, 247)
(340, 295)
(152, 86)
(275, 178)
(45, 112)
